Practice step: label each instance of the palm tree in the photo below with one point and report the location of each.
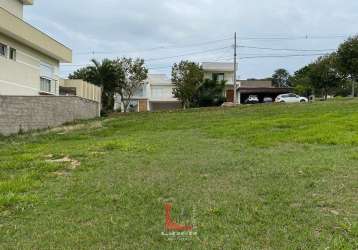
(104, 74)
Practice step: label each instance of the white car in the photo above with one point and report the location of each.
(253, 99)
(291, 98)
(268, 100)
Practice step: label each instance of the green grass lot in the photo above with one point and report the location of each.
(254, 177)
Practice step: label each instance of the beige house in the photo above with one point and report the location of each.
(29, 59)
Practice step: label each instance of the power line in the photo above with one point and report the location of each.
(306, 37)
(249, 56)
(217, 59)
(227, 47)
(187, 54)
(223, 48)
(253, 57)
(281, 56)
(155, 48)
(283, 49)
(224, 58)
(212, 60)
(162, 58)
(229, 58)
(241, 58)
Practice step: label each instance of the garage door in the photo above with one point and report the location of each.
(162, 106)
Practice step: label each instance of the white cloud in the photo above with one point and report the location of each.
(134, 25)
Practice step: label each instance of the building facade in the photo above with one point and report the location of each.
(221, 72)
(156, 94)
(29, 59)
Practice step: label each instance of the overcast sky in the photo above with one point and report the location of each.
(202, 28)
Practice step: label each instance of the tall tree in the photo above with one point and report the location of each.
(102, 74)
(301, 81)
(135, 73)
(281, 78)
(324, 75)
(187, 77)
(83, 73)
(347, 59)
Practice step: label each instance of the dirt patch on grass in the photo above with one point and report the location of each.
(72, 164)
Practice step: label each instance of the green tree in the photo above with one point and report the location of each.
(103, 74)
(135, 74)
(347, 59)
(281, 78)
(324, 75)
(187, 77)
(83, 73)
(211, 93)
(301, 81)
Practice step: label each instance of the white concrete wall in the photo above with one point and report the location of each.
(162, 92)
(160, 88)
(22, 77)
(15, 7)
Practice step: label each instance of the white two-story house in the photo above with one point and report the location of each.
(221, 72)
(156, 94)
(29, 59)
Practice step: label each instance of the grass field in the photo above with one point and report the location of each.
(254, 177)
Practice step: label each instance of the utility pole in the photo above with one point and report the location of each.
(235, 69)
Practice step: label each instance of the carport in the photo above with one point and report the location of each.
(261, 92)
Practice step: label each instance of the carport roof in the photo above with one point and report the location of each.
(273, 90)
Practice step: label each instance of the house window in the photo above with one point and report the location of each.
(47, 78)
(13, 54)
(3, 50)
(139, 92)
(218, 77)
(45, 85)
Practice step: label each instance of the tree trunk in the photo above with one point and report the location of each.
(123, 103)
(184, 105)
(325, 94)
(125, 106)
(127, 103)
(111, 102)
(353, 87)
